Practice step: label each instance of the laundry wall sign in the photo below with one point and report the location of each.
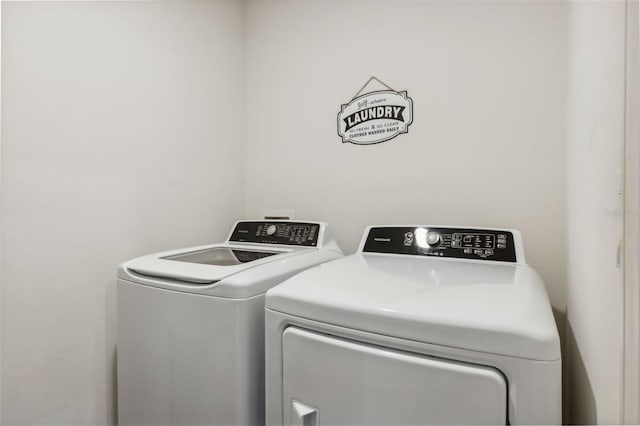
(375, 117)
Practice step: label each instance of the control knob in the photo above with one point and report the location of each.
(271, 229)
(433, 239)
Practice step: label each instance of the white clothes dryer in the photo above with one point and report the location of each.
(423, 325)
(191, 323)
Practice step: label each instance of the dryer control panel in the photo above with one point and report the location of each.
(461, 243)
(277, 232)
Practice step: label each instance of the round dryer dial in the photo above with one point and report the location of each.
(434, 239)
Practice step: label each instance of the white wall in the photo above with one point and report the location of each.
(120, 136)
(596, 34)
(487, 145)
(123, 133)
(631, 195)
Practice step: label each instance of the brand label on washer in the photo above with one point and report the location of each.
(375, 117)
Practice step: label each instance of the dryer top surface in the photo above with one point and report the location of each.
(491, 307)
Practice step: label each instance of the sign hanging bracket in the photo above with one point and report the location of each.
(373, 77)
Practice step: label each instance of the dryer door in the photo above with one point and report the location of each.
(329, 380)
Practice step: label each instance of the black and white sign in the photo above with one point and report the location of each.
(375, 117)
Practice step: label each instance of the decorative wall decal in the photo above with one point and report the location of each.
(375, 116)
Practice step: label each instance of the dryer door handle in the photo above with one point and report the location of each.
(303, 414)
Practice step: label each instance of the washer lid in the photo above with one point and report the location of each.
(489, 307)
(202, 265)
(221, 256)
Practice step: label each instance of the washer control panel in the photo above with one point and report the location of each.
(270, 232)
(461, 243)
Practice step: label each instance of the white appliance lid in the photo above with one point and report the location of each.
(250, 243)
(202, 265)
(491, 307)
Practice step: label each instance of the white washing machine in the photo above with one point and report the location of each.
(423, 325)
(191, 324)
